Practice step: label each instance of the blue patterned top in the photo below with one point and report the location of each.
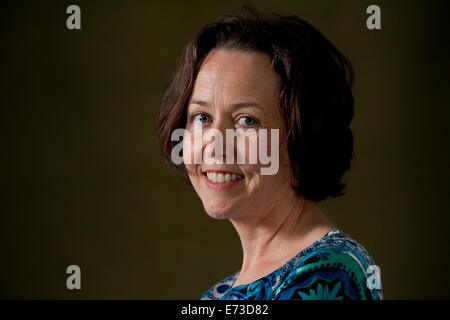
(334, 267)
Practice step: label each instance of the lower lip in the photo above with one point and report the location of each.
(222, 185)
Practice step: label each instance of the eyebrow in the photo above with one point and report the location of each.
(234, 105)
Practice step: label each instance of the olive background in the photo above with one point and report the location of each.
(83, 180)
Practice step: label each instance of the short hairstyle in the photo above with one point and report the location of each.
(315, 93)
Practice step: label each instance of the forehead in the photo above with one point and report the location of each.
(237, 73)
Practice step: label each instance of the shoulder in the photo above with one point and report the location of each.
(218, 290)
(338, 269)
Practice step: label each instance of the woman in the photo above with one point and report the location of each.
(247, 71)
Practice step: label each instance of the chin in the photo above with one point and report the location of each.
(218, 210)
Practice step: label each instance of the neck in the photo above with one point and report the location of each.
(278, 232)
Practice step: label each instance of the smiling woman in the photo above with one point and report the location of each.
(249, 72)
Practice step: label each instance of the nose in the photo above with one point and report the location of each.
(214, 140)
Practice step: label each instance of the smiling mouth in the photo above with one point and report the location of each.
(222, 177)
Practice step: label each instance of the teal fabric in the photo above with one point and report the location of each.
(335, 267)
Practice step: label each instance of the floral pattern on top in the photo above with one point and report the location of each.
(335, 267)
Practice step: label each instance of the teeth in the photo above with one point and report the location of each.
(223, 177)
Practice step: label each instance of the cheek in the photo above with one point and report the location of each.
(246, 150)
(262, 150)
(192, 150)
(188, 154)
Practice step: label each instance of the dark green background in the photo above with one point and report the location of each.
(84, 182)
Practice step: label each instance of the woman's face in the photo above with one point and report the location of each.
(235, 90)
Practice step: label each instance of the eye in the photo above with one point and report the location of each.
(247, 121)
(202, 117)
